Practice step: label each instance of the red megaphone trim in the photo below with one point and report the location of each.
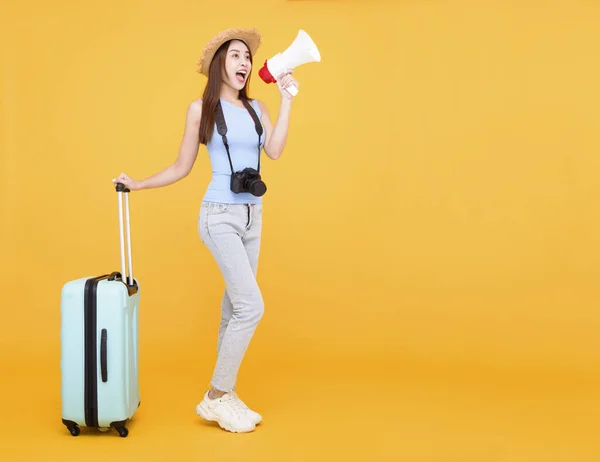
(266, 75)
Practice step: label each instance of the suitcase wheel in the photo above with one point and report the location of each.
(120, 428)
(71, 426)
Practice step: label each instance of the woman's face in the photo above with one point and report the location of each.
(237, 65)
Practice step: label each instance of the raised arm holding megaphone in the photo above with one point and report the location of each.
(303, 50)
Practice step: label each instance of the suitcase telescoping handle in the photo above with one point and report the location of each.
(122, 190)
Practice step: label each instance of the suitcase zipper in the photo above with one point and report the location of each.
(90, 351)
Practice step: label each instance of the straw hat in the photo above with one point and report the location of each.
(250, 37)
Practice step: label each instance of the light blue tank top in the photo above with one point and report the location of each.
(243, 148)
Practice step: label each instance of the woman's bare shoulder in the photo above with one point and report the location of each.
(195, 109)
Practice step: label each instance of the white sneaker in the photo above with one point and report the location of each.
(227, 412)
(254, 416)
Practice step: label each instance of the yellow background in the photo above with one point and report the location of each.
(431, 233)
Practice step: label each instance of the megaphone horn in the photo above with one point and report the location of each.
(302, 50)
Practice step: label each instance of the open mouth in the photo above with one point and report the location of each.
(241, 76)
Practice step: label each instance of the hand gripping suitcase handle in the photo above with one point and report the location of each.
(122, 189)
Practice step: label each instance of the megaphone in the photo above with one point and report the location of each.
(303, 50)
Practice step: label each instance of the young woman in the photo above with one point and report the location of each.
(230, 218)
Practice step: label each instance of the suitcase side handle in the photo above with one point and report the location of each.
(123, 190)
(104, 355)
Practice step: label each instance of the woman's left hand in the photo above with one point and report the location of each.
(285, 80)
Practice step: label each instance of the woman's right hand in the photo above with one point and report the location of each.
(128, 182)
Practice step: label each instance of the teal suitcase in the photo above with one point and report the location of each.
(99, 345)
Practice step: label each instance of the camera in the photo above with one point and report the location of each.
(248, 180)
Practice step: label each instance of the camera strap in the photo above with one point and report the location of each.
(222, 128)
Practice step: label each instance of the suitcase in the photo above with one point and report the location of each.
(99, 345)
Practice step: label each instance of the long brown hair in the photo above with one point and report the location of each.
(212, 92)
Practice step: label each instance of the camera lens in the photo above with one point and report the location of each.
(257, 187)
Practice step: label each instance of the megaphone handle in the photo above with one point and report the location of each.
(292, 90)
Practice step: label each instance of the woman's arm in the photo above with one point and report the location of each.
(188, 151)
(276, 136)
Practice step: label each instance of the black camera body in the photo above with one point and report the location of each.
(248, 180)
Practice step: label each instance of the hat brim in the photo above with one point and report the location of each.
(250, 37)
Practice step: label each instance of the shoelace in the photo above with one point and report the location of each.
(235, 403)
(240, 402)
